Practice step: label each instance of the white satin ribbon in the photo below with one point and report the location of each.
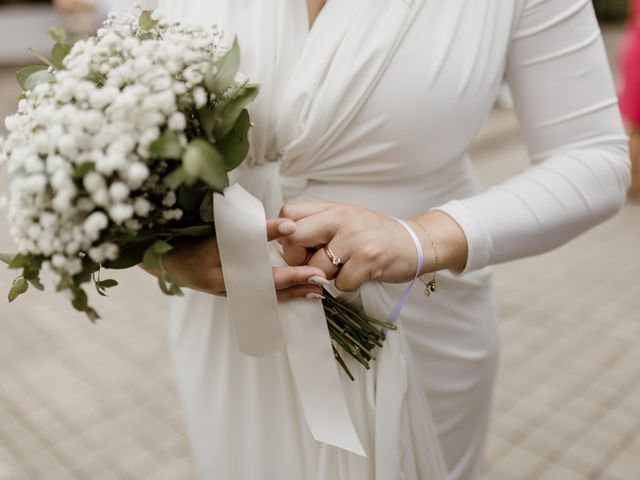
(259, 321)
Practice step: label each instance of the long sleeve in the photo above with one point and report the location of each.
(567, 108)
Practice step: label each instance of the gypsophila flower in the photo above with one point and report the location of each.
(81, 150)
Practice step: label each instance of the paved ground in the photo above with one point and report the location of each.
(82, 402)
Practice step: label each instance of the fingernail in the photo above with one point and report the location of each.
(318, 280)
(314, 296)
(287, 228)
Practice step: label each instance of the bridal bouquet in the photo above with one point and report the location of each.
(118, 145)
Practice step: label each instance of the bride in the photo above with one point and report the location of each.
(366, 112)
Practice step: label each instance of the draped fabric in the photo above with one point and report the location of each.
(376, 105)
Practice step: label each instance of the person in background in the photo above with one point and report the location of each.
(630, 95)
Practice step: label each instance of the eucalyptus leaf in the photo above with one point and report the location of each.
(57, 33)
(7, 258)
(222, 73)
(108, 283)
(80, 300)
(167, 146)
(26, 72)
(202, 161)
(189, 198)
(19, 261)
(235, 145)
(207, 117)
(161, 247)
(39, 56)
(19, 287)
(206, 208)
(229, 112)
(151, 259)
(175, 178)
(58, 53)
(130, 256)
(36, 284)
(146, 22)
(36, 78)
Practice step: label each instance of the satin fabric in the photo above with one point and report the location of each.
(376, 105)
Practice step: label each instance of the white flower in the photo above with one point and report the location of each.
(137, 173)
(200, 97)
(177, 121)
(95, 224)
(118, 191)
(121, 212)
(93, 182)
(142, 207)
(169, 199)
(175, 214)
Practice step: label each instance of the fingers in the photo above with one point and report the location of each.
(298, 282)
(280, 227)
(308, 292)
(298, 210)
(351, 276)
(321, 260)
(310, 233)
(287, 277)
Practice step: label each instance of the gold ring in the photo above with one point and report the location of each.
(335, 260)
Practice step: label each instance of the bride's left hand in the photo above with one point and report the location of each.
(370, 245)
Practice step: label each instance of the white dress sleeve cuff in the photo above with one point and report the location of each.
(478, 238)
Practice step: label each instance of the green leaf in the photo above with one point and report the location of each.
(81, 170)
(202, 161)
(150, 259)
(146, 22)
(206, 208)
(108, 283)
(80, 300)
(36, 284)
(19, 261)
(19, 287)
(36, 78)
(175, 178)
(189, 198)
(161, 247)
(167, 146)
(7, 258)
(58, 53)
(146, 36)
(222, 73)
(235, 145)
(26, 72)
(207, 117)
(40, 56)
(195, 231)
(130, 256)
(92, 314)
(57, 33)
(228, 112)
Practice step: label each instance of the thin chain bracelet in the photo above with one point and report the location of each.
(430, 286)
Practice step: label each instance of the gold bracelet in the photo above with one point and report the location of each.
(430, 286)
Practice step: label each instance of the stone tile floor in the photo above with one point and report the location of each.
(86, 402)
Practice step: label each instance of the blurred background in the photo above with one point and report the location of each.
(82, 401)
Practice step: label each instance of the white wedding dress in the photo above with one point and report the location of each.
(376, 105)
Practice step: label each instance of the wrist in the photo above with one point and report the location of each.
(443, 242)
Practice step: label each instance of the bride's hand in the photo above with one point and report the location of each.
(197, 266)
(370, 245)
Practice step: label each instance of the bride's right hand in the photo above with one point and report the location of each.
(197, 266)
